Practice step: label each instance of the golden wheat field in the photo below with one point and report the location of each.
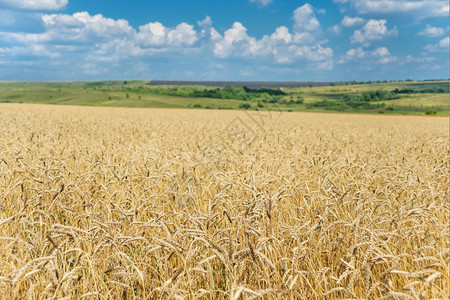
(105, 203)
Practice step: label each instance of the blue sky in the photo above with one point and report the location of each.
(264, 40)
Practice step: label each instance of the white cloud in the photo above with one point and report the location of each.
(215, 35)
(100, 26)
(282, 34)
(35, 4)
(353, 54)
(82, 28)
(305, 19)
(304, 38)
(183, 34)
(207, 22)
(262, 2)
(336, 29)
(94, 42)
(207, 32)
(281, 47)
(373, 30)
(417, 9)
(152, 34)
(237, 33)
(77, 29)
(381, 51)
(410, 59)
(431, 31)
(380, 55)
(105, 39)
(443, 45)
(313, 53)
(156, 34)
(37, 50)
(350, 22)
(65, 21)
(387, 59)
(95, 39)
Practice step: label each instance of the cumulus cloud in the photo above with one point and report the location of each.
(350, 22)
(381, 58)
(353, 54)
(183, 34)
(207, 22)
(156, 34)
(431, 31)
(97, 38)
(305, 19)
(99, 44)
(207, 32)
(443, 45)
(39, 5)
(82, 28)
(262, 2)
(336, 29)
(152, 34)
(418, 9)
(412, 59)
(64, 21)
(281, 47)
(37, 50)
(381, 51)
(282, 34)
(380, 55)
(232, 38)
(373, 30)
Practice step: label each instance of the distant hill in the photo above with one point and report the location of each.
(249, 84)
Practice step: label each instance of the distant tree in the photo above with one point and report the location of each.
(244, 105)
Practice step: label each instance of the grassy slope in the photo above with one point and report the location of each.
(111, 93)
(408, 103)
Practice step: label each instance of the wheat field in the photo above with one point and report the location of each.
(106, 203)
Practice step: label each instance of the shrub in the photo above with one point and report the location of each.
(244, 105)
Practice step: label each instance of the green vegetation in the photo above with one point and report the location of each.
(377, 95)
(226, 92)
(362, 101)
(409, 97)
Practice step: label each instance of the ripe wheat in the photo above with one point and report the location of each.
(100, 203)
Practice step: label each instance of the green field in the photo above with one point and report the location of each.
(413, 97)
